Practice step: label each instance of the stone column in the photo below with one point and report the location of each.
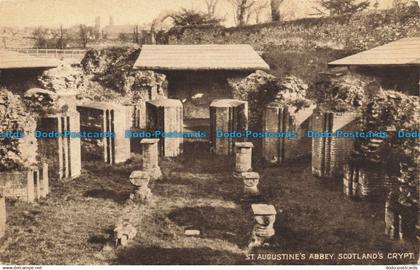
(243, 157)
(227, 115)
(141, 179)
(265, 216)
(166, 115)
(251, 180)
(44, 181)
(2, 215)
(150, 157)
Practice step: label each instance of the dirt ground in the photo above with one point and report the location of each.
(74, 224)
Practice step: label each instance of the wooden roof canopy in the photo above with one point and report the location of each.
(16, 60)
(200, 57)
(404, 52)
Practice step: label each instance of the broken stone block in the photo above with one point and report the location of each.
(141, 179)
(329, 155)
(166, 115)
(105, 118)
(123, 233)
(2, 215)
(243, 157)
(251, 180)
(284, 120)
(227, 115)
(191, 232)
(150, 157)
(265, 216)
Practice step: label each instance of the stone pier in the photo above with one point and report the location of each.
(227, 115)
(243, 157)
(265, 216)
(111, 120)
(166, 115)
(287, 121)
(62, 153)
(141, 179)
(2, 215)
(363, 182)
(150, 157)
(329, 155)
(251, 181)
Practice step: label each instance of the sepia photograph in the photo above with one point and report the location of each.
(209, 132)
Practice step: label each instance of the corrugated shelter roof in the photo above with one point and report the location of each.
(200, 57)
(16, 60)
(402, 52)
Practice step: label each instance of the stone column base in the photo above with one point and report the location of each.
(142, 195)
(155, 173)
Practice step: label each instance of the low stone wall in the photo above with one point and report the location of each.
(27, 186)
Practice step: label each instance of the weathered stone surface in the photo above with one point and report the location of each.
(363, 182)
(2, 215)
(191, 232)
(166, 115)
(243, 156)
(123, 233)
(63, 153)
(227, 115)
(20, 152)
(150, 157)
(141, 179)
(265, 216)
(251, 181)
(44, 181)
(400, 220)
(105, 117)
(286, 119)
(329, 155)
(26, 185)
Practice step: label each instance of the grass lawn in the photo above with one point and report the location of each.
(74, 224)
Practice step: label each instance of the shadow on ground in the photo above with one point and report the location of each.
(227, 224)
(176, 256)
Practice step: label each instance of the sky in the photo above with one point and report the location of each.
(71, 12)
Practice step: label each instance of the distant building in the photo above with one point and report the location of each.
(98, 23)
(115, 31)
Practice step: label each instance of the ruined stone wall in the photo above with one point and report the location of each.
(111, 78)
(197, 89)
(19, 152)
